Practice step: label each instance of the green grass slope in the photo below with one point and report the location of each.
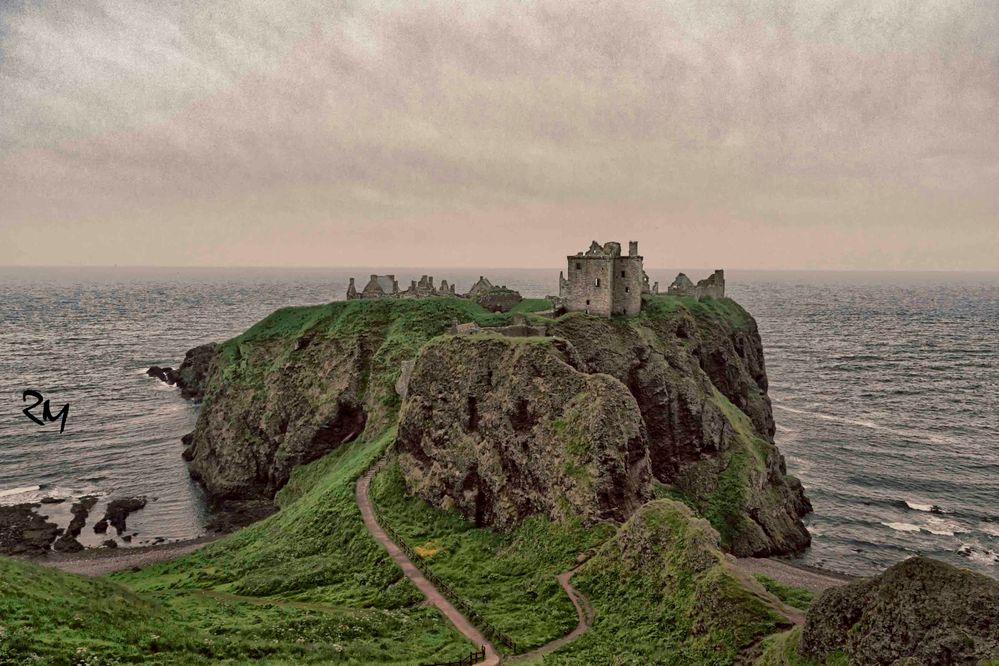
(664, 595)
(509, 577)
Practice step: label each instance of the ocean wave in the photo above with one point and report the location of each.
(903, 527)
(929, 508)
(977, 553)
(19, 491)
(870, 425)
(944, 527)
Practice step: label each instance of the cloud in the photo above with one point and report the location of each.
(178, 132)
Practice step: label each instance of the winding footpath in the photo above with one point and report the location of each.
(583, 608)
(459, 621)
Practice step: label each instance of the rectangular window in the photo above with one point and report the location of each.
(627, 290)
(622, 273)
(597, 283)
(579, 266)
(587, 301)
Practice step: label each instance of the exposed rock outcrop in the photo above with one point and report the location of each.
(700, 381)
(190, 378)
(503, 428)
(25, 532)
(67, 541)
(921, 611)
(117, 512)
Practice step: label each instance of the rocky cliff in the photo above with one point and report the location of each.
(503, 428)
(591, 420)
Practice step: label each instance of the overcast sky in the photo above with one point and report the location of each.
(753, 134)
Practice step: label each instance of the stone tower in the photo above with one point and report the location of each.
(602, 281)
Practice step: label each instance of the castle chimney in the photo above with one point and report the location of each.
(632, 248)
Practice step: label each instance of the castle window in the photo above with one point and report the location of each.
(622, 273)
(587, 301)
(579, 266)
(627, 290)
(597, 283)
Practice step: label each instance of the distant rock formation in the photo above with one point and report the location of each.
(921, 611)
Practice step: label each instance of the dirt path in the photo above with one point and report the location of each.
(102, 561)
(583, 610)
(460, 622)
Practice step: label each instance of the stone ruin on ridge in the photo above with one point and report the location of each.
(483, 292)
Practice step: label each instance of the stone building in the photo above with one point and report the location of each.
(712, 286)
(602, 281)
(386, 286)
(379, 286)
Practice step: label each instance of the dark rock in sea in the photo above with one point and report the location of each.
(68, 543)
(52, 500)
(116, 513)
(25, 532)
(110, 543)
(190, 377)
(921, 611)
(163, 374)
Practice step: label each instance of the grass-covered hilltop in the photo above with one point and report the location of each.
(636, 451)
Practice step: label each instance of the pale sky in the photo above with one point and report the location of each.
(743, 134)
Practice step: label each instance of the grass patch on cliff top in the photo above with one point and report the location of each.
(712, 309)
(313, 562)
(509, 577)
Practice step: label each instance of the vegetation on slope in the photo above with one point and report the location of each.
(782, 650)
(797, 597)
(314, 557)
(664, 595)
(509, 577)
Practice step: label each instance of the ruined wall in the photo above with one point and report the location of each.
(590, 285)
(628, 283)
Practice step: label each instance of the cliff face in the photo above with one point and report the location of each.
(697, 372)
(590, 421)
(302, 382)
(503, 428)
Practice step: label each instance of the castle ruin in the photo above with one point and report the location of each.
(604, 282)
(712, 286)
(386, 286)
